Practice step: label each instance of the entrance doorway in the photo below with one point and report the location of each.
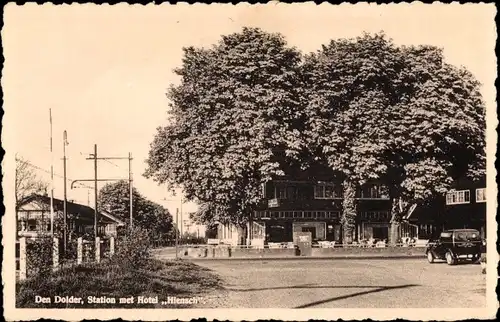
(380, 233)
(312, 230)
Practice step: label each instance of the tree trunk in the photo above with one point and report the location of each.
(395, 222)
(249, 231)
(349, 212)
(241, 234)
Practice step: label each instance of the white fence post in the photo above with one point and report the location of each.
(55, 253)
(79, 251)
(22, 258)
(111, 246)
(97, 249)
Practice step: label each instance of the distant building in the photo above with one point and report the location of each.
(466, 206)
(463, 207)
(33, 218)
(192, 229)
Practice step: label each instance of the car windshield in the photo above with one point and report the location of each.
(467, 235)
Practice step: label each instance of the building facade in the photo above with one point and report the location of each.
(33, 218)
(466, 206)
(316, 207)
(293, 206)
(462, 207)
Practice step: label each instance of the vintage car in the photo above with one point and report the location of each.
(455, 245)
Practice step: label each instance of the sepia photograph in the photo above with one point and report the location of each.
(245, 162)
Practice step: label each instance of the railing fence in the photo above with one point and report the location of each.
(38, 254)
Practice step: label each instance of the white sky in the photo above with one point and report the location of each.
(104, 70)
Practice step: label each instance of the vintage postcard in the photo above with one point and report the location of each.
(245, 162)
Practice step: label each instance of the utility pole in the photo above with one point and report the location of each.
(95, 191)
(65, 210)
(51, 179)
(131, 188)
(95, 158)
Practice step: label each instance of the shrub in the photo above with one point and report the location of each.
(133, 247)
(39, 256)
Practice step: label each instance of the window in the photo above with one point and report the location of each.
(327, 191)
(374, 191)
(481, 195)
(458, 197)
(32, 225)
(110, 229)
(280, 192)
(283, 191)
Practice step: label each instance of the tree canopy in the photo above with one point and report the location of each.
(115, 199)
(379, 111)
(234, 119)
(398, 114)
(250, 108)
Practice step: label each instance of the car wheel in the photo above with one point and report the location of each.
(449, 259)
(430, 257)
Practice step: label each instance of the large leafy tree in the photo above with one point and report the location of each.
(115, 198)
(400, 114)
(235, 122)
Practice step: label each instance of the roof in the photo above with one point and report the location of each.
(75, 208)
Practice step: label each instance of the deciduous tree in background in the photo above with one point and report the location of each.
(27, 182)
(115, 198)
(234, 122)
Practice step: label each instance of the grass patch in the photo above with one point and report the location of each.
(112, 279)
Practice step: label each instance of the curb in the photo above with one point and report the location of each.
(420, 256)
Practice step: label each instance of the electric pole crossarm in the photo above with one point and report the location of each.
(95, 158)
(75, 181)
(110, 158)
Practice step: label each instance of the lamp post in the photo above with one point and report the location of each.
(65, 210)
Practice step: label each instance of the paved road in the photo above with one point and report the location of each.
(351, 283)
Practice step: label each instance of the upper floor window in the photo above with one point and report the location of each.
(374, 191)
(287, 192)
(458, 197)
(327, 191)
(481, 195)
(280, 192)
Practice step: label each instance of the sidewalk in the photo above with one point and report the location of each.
(274, 254)
(329, 257)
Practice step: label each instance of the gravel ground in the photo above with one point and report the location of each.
(347, 283)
